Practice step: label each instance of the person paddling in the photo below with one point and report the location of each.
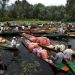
(14, 42)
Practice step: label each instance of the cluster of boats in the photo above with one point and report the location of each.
(51, 30)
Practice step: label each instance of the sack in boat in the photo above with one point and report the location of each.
(43, 41)
(31, 46)
(44, 54)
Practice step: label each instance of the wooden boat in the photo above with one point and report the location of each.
(60, 67)
(6, 44)
(10, 33)
(72, 34)
(70, 64)
(51, 35)
(54, 36)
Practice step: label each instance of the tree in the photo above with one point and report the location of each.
(3, 5)
(70, 10)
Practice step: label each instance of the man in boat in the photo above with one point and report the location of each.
(68, 53)
(17, 28)
(58, 57)
(14, 42)
(61, 30)
(23, 27)
(1, 28)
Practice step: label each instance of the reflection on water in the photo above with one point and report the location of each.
(25, 63)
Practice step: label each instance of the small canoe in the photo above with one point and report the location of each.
(6, 45)
(71, 34)
(55, 35)
(71, 65)
(61, 67)
(10, 33)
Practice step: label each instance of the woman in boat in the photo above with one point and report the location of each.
(58, 57)
(68, 53)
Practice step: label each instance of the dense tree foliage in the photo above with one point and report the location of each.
(70, 10)
(24, 10)
(3, 4)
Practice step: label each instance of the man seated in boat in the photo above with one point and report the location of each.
(61, 30)
(14, 42)
(23, 27)
(59, 56)
(17, 28)
(1, 28)
(68, 53)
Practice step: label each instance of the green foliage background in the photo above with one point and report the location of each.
(22, 10)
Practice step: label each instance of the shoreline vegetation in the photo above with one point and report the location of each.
(36, 22)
